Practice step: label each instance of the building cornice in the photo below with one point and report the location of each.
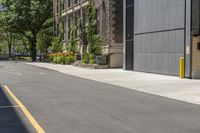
(74, 8)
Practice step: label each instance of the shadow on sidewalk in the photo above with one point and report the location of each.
(10, 121)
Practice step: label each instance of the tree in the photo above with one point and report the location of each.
(95, 44)
(73, 42)
(28, 18)
(6, 34)
(9, 39)
(44, 40)
(56, 43)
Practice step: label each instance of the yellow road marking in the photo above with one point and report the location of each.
(3, 107)
(32, 120)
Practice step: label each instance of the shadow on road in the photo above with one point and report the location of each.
(10, 121)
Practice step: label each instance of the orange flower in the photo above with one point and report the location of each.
(64, 54)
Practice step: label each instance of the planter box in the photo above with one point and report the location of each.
(78, 56)
(101, 60)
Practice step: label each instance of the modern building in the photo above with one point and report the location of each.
(158, 32)
(109, 25)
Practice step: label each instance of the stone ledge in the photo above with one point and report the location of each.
(90, 66)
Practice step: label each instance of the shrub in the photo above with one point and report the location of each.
(55, 60)
(95, 44)
(92, 61)
(73, 42)
(56, 44)
(59, 58)
(70, 59)
(85, 59)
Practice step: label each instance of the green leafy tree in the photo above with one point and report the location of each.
(73, 42)
(95, 44)
(56, 44)
(6, 34)
(8, 38)
(44, 40)
(3, 46)
(28, 18)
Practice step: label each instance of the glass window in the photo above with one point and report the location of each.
(76, 1)
(69, 3)
(63, 5)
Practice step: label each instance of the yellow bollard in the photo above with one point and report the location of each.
(182, 68)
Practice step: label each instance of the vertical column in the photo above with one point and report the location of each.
(188, 48)
(124, 34)
(129, 34)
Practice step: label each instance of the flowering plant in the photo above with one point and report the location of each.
(62, 58)
(64, 54)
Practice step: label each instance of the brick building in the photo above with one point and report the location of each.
(109, 24)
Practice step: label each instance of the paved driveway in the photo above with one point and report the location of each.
(67, 104)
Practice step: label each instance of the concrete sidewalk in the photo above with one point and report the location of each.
(162, 85)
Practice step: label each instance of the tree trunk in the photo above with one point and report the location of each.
(33, 49)
(10, 50)
(9, 41)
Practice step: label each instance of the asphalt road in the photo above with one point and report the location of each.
(67, 104)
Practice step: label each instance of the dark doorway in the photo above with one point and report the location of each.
(129, 34)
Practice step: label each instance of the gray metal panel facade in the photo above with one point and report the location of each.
(159, 27)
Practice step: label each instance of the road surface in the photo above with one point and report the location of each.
(66, 104)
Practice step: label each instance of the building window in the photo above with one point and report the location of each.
(77, 17)
(63, 4)
(76, 1)
(69, 3)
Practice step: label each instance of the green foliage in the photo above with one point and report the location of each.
(3, 49)
(73, 42)
(70, 59)
(85, 58)
(28, 18)
(57, 59)
(6, 36)
(56, 44)
(92, 61)
(92, 58)
(44, 39)
(91, 25)
(63, 60)
(21, 45)
(95, 44)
